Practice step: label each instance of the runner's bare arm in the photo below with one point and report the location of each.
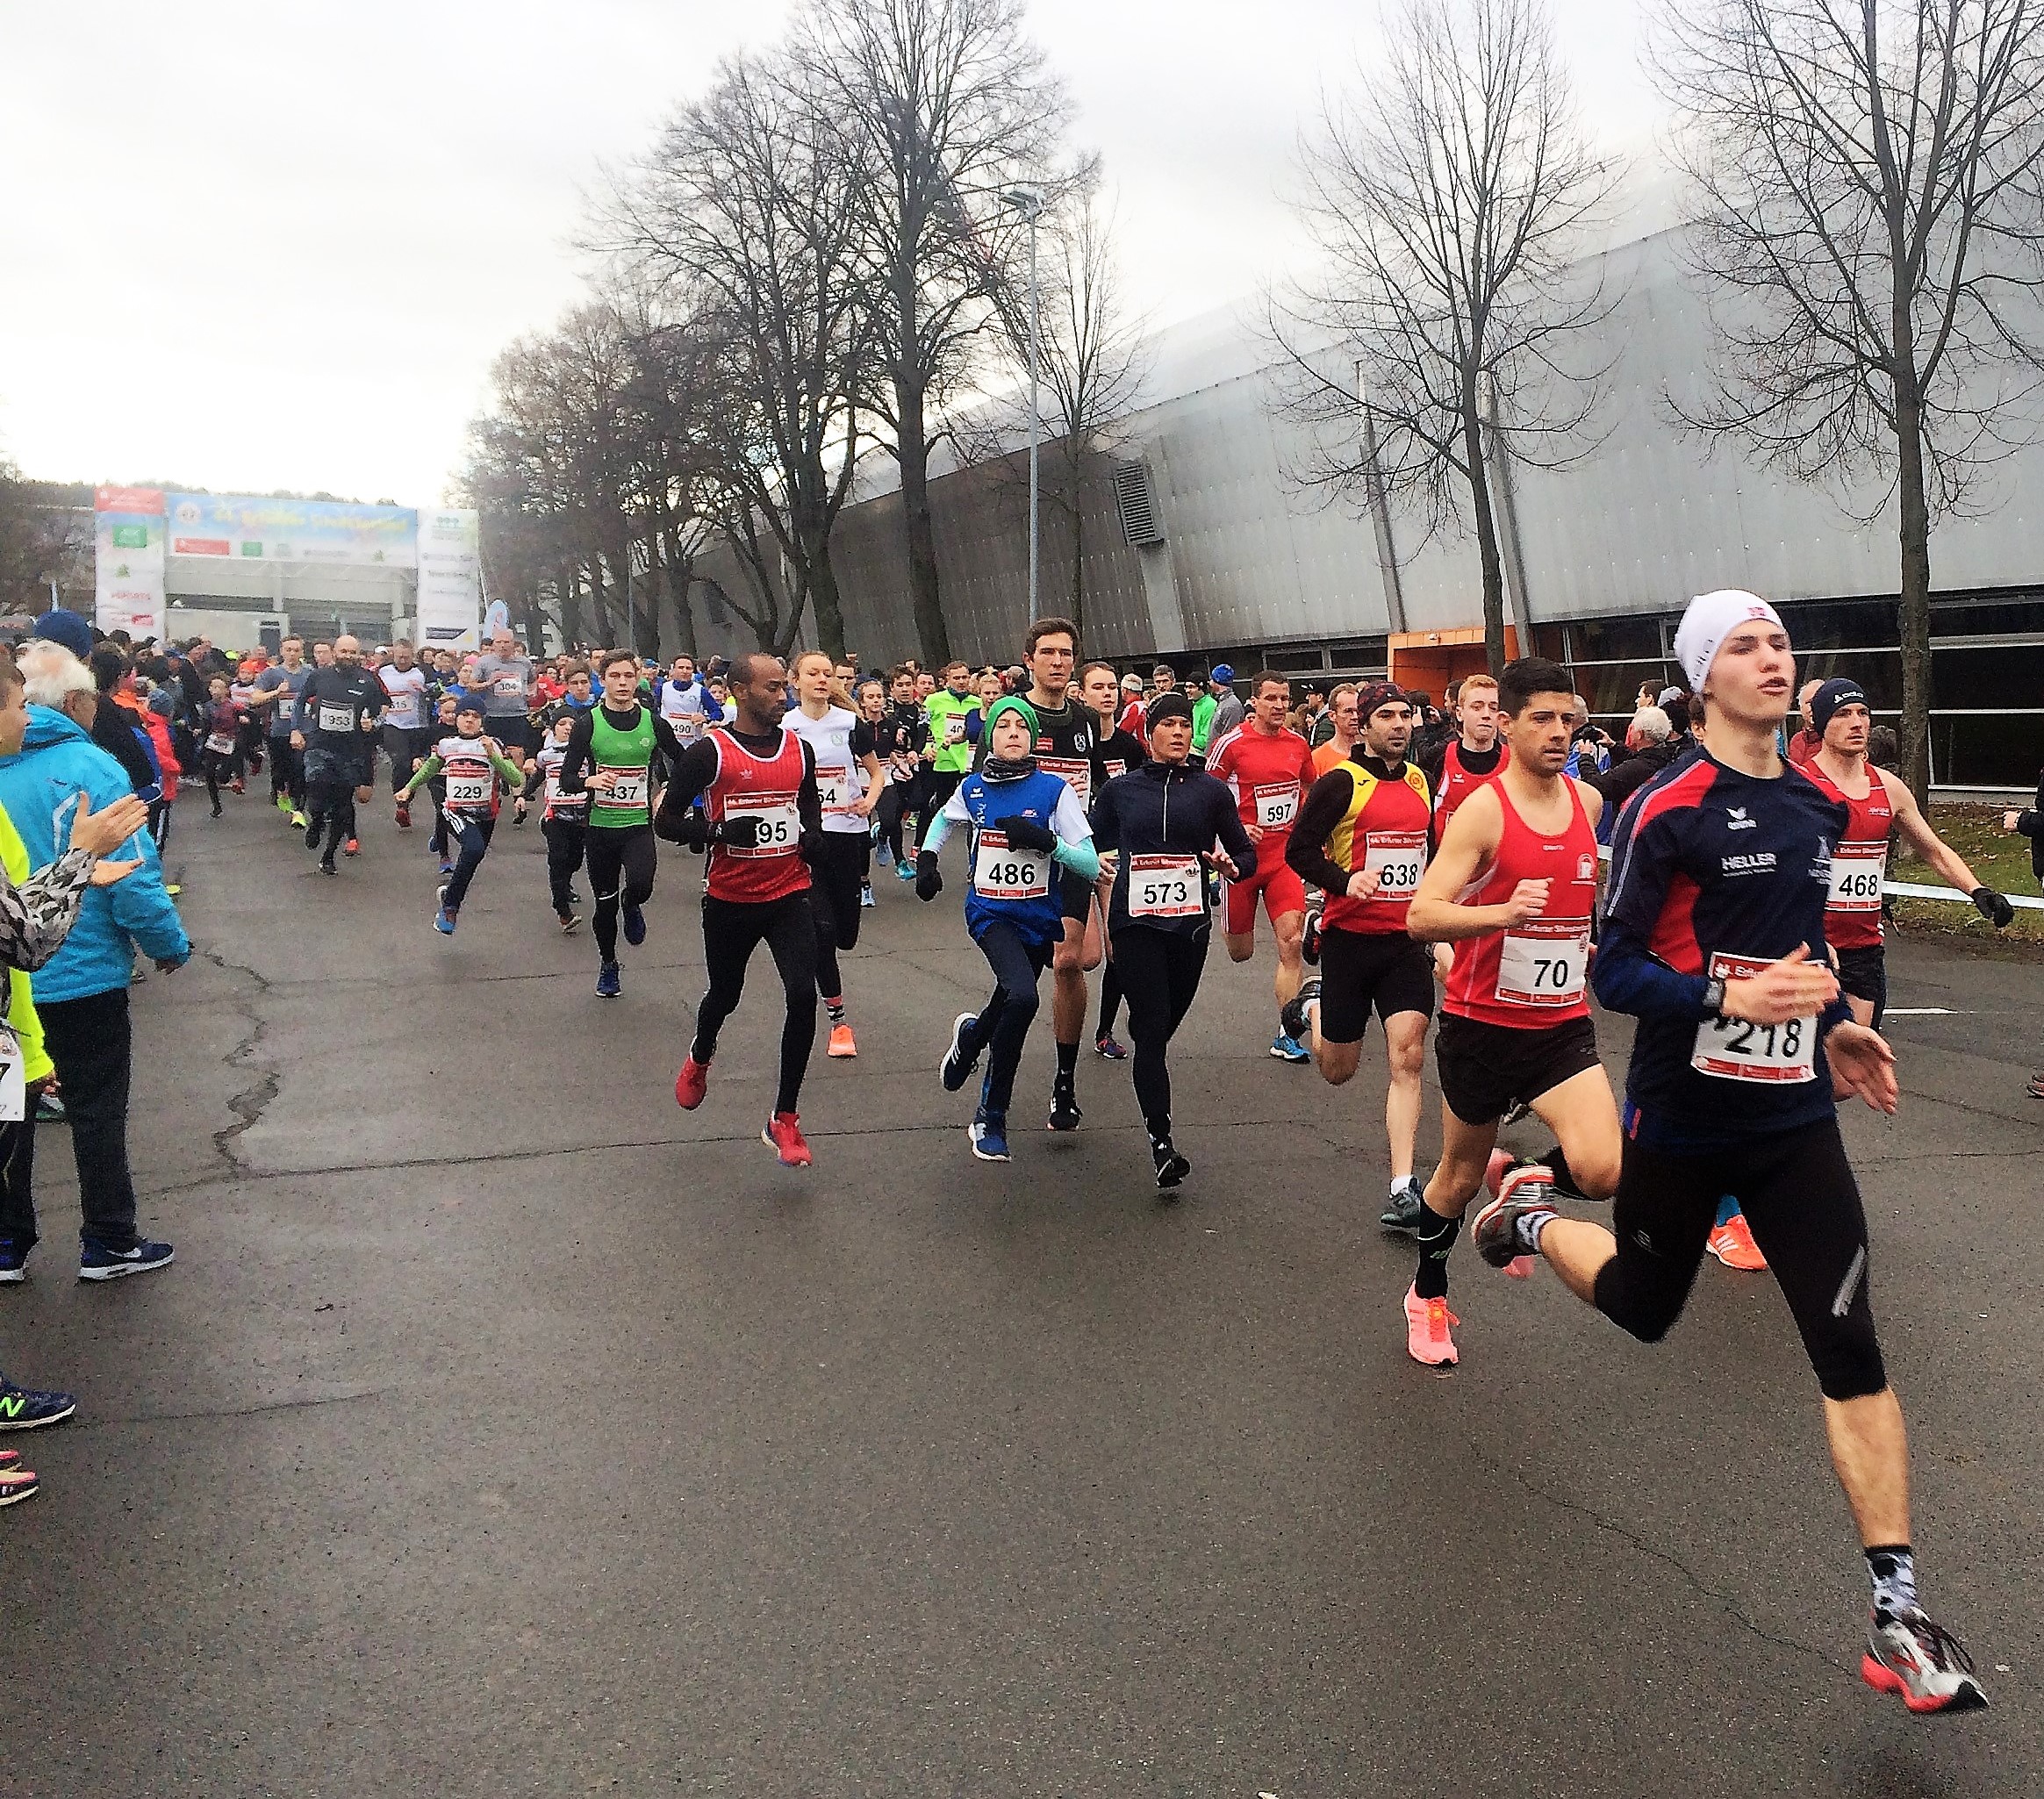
(1467, 847)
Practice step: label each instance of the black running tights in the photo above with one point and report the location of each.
(836, 877)
(565, 844)
(1160, 973)
(1796, 1190)
(621, 865)
(732, 930)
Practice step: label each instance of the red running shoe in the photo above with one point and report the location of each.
(353, 847)
(783, 1136)
(404, 816)
(691, 1083)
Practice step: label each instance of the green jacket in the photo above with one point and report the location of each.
(954, 752)
(1203, 710)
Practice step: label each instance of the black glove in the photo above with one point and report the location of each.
(812, 846)
(929, 882)
(1994, 908)
(683, 825)
(739, 833)
(1026, 833)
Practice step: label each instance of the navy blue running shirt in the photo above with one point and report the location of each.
(1709, 864)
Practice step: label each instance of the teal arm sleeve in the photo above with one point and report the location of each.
(1080, 858)
(940, 827)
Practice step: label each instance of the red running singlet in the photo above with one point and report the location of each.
(1537, 973)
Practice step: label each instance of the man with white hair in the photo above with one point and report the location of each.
(1714, 941)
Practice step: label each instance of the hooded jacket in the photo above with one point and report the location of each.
(39, 790)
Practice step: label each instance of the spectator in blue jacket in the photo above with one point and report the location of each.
(81, 993)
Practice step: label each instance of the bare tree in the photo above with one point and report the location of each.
(1093, 358)
(1864, 185)
(744, 218)
(953, 108)
(46, 535)
(1452, 196)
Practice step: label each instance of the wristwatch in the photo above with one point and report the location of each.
(1714, 997)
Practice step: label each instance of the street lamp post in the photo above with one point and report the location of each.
(1029, 203)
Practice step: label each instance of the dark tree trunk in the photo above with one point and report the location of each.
(1914, 613)
(923, 588)
(1487, 552)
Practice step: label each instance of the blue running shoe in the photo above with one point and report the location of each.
(443, 922)
(866, 894)
(989, 1136)
(1287, 1048)
(13, 1261)
(635, 922)
(610, 981)
(97, 1262)
(882, 855)
(905, 870)
(21, 1409)
(957, 1067)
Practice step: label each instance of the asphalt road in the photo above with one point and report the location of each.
(503, 1429)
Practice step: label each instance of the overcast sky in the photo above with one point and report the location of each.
(251, 246)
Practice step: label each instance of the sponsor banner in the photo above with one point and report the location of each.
(128, 544)
(291, 530)
(449, 553)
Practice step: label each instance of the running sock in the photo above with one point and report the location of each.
(835, 1008)
(1892, 1568)
(1557, 1164)
(1437, 1236)
(1068, 1062)
(1528, 1225)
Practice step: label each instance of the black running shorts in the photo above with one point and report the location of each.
(1359, 969)
(1863, 973)
(1487, 1068)
(1075, 895)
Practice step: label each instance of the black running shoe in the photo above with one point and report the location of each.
(1065, 1113)
(957, 1067)
(1404, 1209)
(1171, 1168)
(1298, 1026)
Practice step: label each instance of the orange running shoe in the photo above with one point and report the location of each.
(691, 1083)
(1426, 1330)
(783, 1136)
(1731, 1243)
(842, 1044)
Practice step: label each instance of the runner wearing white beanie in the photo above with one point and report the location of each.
(1707, 623)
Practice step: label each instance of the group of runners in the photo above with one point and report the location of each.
(1740, 927)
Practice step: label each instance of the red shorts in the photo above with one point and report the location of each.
(1280, 886)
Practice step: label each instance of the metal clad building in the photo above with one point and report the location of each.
(1599, 557)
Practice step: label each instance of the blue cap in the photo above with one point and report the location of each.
(68, 628)
(1222, 674)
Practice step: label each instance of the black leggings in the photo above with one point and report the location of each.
(333, 804)
(1110, 997)
(836, 877)
(472, 835)
(565, 844)
(732, 930)
(287, 772)
(220, 770)
(1160, 973)
(897, 803)
(621, 865)
(1796, 1190)
(1018, 964)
